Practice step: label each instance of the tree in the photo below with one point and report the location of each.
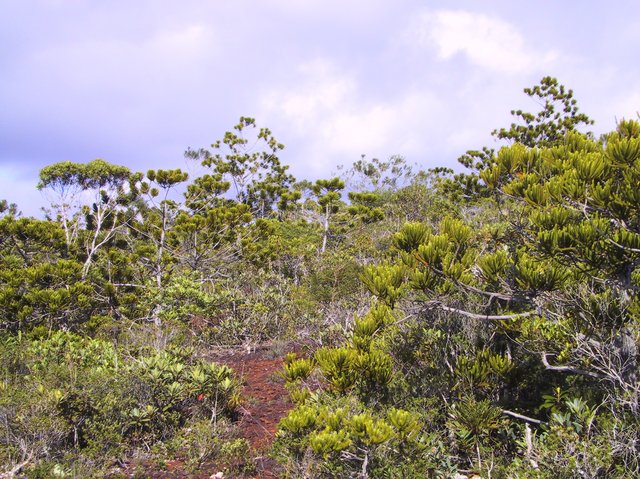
(531, 321)
(328, 195)
(561, 274)
(158, 215)
(208, 242)
(378, 175)
(38, 285)
(519, 312)
(250, 166)
(559, 116)
(366, 206)
(8, 209)
(106, 187)
(548, 127)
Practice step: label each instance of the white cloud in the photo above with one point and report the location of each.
(126, 63)
(191, 41)
(360, 8)
(323, 90)
(336, 125)
(628, 107)
(486, 41)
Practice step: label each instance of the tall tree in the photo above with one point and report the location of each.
(106, 188)
(328, 196)
(564, 265)
(250, 164)
(158, 215)
(548, 127)
(559, 115)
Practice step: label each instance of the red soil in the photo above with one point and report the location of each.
(265, 402)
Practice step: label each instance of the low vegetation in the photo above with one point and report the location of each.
(483, 323)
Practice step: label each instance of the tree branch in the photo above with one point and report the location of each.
(520, 416)
(568, 369)
(12, 472)
(485, 317)
(473, 289)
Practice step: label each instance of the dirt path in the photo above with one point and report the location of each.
(265, 402)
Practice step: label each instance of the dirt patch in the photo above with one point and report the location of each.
(265, 402)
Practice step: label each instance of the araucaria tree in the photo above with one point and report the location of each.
(250, 165)
(478, 325)
(104, 186)
(516, 324)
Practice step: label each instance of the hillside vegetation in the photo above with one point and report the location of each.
(483, 323)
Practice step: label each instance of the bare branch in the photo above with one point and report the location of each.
(568, 369)
(484, 317)
(521, 416)
(17, 468)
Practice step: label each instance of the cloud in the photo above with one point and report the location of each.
(137, 82)
(18, 187)
(322, 90)
(325, 110)
(354, 9)
(89, 98)
(627, 106)
(116, 63)
(485, 41)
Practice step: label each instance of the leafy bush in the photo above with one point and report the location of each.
(71, 393)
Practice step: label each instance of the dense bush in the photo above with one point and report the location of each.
(68, 397)
(480, 323)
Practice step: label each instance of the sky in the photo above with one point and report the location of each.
(137, 82)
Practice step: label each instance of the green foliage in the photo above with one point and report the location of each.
(258, 177)
(531, 290)
(363, 206)
(337, 366)
(110, 190)
(550, 125)
(8, 209)
(45, 294)
(485, 322)
(297, 369)
(327, 442)
(334, 278)
(475, 423)
(202, 442)
(385, 282)
(475, 419)
(366, 328)
(411, 236)
(170, 390)
(66, 175)
(327, 193)
(69, 394)
(484, 371)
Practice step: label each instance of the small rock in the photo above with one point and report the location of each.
(217, 475)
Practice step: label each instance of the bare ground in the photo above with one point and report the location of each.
(265, 402)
